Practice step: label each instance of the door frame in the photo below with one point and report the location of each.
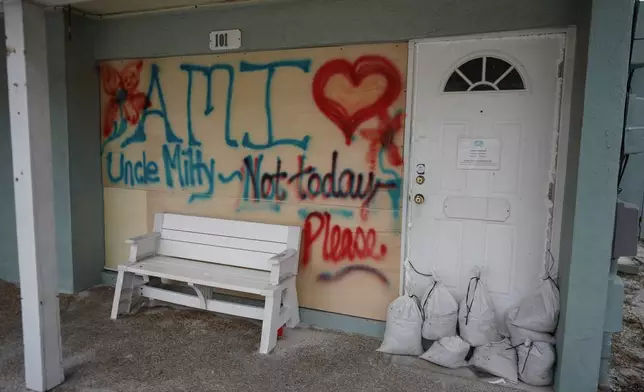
(562, 114)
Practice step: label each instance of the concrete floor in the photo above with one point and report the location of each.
(164, 349)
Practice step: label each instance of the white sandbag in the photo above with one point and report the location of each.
(536, 363)
(403, 328)
(476, 317)
(539, 311)
(519, 335)
(416, 282)
(440, 312)
(499, 359)
(449, 352)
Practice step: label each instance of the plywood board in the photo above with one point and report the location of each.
(125, 217)
(309, 137)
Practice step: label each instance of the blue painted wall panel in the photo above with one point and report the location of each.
(85, 180)
(56, 41)
(8, 246)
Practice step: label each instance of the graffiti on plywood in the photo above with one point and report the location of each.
(124, 101)
(350, 114)
(341, 244)
(308, 137)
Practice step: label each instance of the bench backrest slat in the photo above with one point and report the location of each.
(226, 227)
(222, 241)
(225, 242)
(228, 256)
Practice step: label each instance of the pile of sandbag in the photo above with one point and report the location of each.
(527, 355)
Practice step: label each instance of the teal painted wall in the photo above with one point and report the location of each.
(85, 181)
(56, 37)
(8, 246)
(591, 190)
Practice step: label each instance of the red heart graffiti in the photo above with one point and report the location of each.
(358, 71)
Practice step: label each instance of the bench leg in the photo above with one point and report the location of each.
(290, 301)
(271, 319)
(204, 293)
(124, 288)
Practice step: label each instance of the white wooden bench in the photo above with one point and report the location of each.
(208, 253)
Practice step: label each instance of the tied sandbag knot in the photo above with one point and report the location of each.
(422, 308)
(549, 271)
(532, 345)
(416, 271)
(469, 303)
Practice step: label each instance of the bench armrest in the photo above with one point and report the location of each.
(143, 246)
(284, 265)
(143, 238)
(283, 257)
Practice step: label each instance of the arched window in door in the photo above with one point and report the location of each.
(485, 73)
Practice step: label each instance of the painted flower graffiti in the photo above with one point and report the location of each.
(382, 138)
(125, 102)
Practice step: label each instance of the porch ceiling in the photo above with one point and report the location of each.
(118, 7)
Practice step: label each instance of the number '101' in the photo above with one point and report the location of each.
(221, 40)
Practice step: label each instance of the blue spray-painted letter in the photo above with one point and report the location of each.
(139, 134)
(244, 66)
(208, 72)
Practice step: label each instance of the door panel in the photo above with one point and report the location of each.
(487, 205)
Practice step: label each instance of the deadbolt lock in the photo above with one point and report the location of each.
(420, 180)
(419, 199)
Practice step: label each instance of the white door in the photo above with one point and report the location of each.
(484, 125)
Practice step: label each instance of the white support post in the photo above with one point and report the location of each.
(26, 45)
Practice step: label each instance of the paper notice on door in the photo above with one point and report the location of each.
(479, 154)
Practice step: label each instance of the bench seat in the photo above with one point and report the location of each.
(205, 274)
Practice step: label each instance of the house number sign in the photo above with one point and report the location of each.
(225, 40)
